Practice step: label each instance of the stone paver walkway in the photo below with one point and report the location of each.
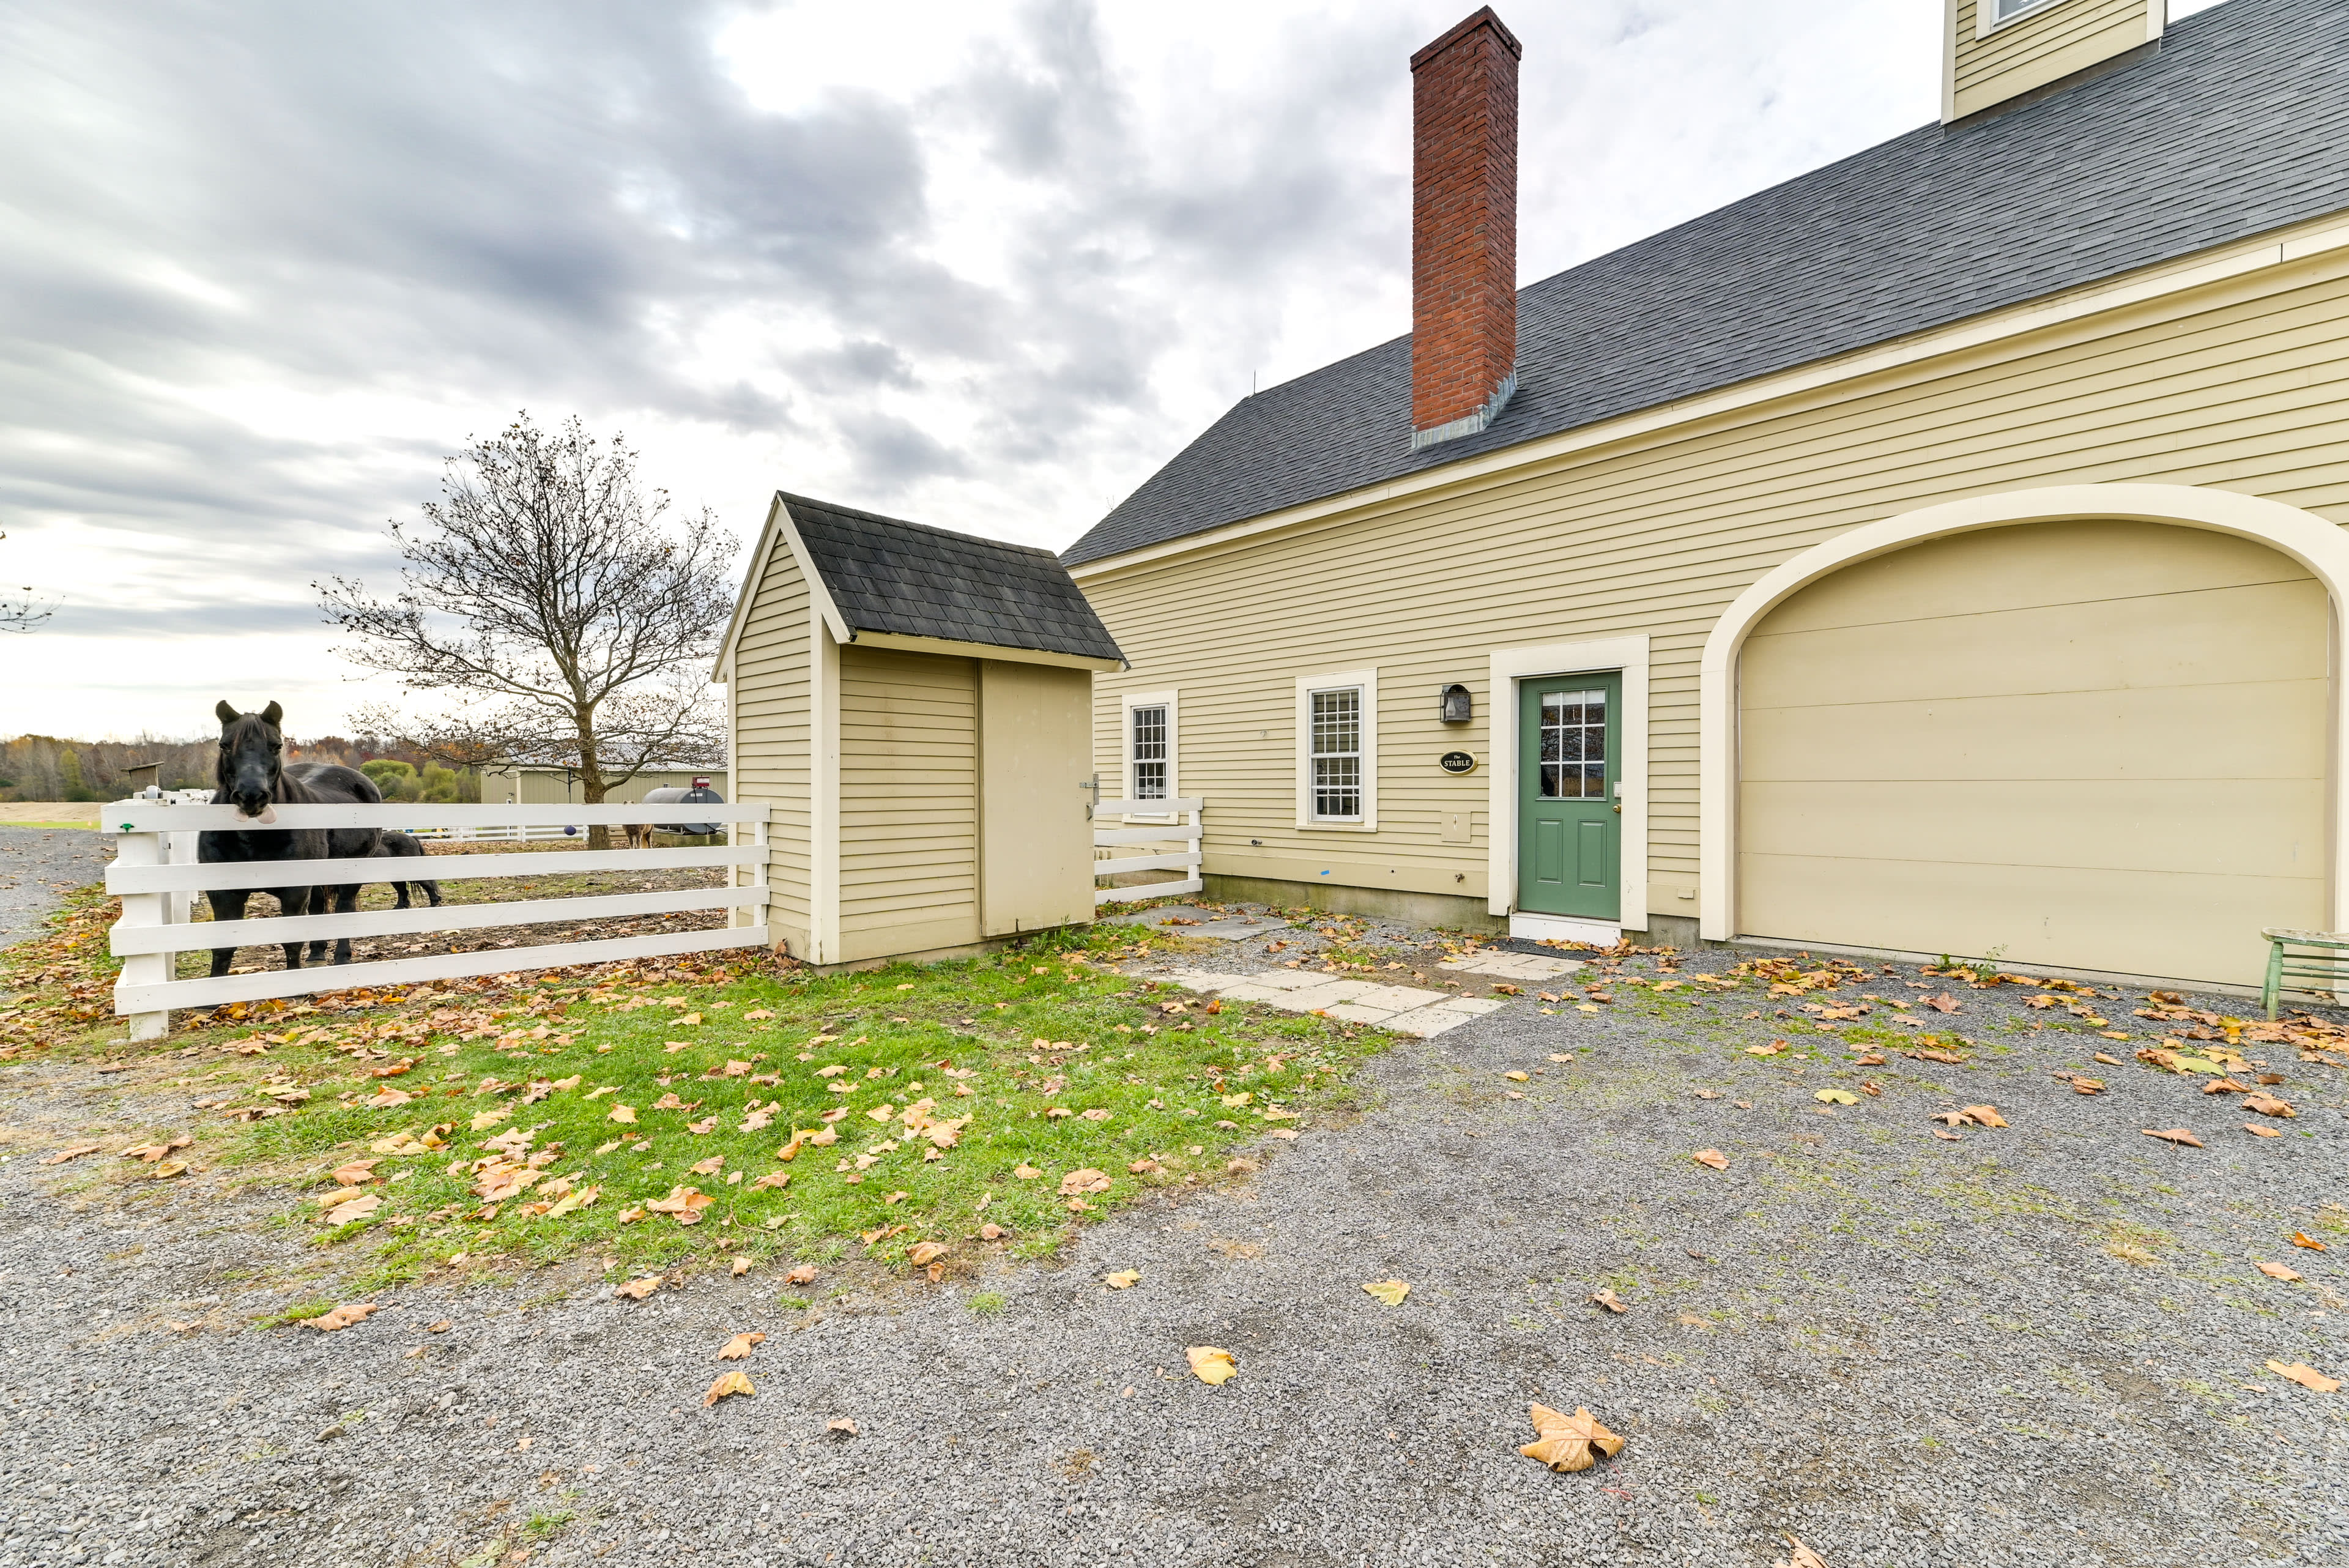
(1404, 1008)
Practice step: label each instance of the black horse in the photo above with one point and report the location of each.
(395, 846)
(251, 775)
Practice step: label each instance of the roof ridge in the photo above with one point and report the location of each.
(790, 499)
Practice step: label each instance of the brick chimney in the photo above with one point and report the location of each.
(1463, 230)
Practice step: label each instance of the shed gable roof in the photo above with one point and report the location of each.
(887, 575)
(2238, 125)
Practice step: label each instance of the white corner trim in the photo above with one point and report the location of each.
(1368, 679)
(1597, 656)
(1127, 703)
(823, 794)
(2319, 545)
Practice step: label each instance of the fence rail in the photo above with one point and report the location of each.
(1188, 861)
(157, 874)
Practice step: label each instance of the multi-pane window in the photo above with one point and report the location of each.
(1148, 740)
(1336, 722)
(1573, 745)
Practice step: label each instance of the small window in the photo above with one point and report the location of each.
(2007, 10)
(1338, 754)
(1146, 736)
(1574, 745)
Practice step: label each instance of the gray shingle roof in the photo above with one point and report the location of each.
(904, 578)
(2238, 124)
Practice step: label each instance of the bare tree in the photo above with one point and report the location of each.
(547, 592)
(21, 612)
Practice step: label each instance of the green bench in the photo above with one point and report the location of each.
(2304, 955)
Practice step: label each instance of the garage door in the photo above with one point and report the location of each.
(2095, 744)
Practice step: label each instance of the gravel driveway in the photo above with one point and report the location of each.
(36, 864)
(1904, 1350)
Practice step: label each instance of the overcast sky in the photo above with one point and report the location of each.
(264, 262)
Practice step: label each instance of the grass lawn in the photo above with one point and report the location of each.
(655, 1115)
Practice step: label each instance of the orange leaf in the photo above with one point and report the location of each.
(342, 1316)
(1566, 1442)
(2302, 1238)
(2280, 1271)
(2268, 1105)
(803, 1275)
(2258, 1131)
(637, 1290)
(2173, 1135)
(1610, 1300)
(728, 1383)
(1712, 1157)
(924, 1253)
(2307, 1377)
(74, 1152)
(739, 1346)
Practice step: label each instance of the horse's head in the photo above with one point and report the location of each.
(252, 758)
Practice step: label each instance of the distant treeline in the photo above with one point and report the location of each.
(45, 767)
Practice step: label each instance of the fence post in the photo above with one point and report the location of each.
(145, 910)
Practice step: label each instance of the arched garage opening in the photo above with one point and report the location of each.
(2087, 742)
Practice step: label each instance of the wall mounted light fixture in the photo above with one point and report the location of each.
(1458, 708)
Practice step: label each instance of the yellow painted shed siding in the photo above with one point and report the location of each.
(2240, 385)
(2040, 48)
(909, 802)
(772, 697)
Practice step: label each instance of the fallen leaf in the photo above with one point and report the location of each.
(1210, 1364)
(1804, 1556)
(637, 1290)
(353, 1207)
(2280, 1271)
(342, 1316)
(991, 1231)
(2225, 1086)
(840, 1429)
(1085, 1179)
(1391, 1292)
(1712, 1157)
(710, 1167)
(1837, 1097)
(356, 1173)
(2307, 1377)
(443, 1326)
(1565, 1442)
(387, 1096)
(1610, 1300)
(1944, 1002)
(1122, 1279)
(772, 1179)
(2302, 1238)
(924, 1253)
(74, 1152)
(2268, 1105)
(2173, 1135)
(1948, 1136)
(623, 1114)
(1026, 1172)
(2108, 1061)
(2087, 1086)
(803, 1275)
(739, 1348)
(728, 1383)
(1518, 1077)
(1708, 1094)
(1871, 1060)
(741, 1267)
(167, 1169)
(2258, 1131)
(1986, 1115)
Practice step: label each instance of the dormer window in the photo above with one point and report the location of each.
(2008, 10)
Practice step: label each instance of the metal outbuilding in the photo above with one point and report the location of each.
(915, 706)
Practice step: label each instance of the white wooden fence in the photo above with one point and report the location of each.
(1187, 861)
(156, 873)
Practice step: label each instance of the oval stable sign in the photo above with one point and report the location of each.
(1457, 763)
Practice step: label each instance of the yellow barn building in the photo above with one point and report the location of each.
(1941, 551)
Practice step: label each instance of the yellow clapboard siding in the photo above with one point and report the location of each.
(909, 792)
(2236, 383)
(2032, 51)
(771, 688)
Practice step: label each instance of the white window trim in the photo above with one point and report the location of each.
(1127, 703)
(1987, 21)
(1600, 656)
(1368, 679)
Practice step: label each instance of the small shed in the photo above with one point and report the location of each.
(916, 708)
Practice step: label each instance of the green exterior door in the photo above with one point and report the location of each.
(1570, 817)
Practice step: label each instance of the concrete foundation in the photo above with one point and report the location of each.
(1444, 911)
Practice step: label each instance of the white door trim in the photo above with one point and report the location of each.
(2319, 545)
(1598, 656)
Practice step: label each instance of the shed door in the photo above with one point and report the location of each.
(2093, 744)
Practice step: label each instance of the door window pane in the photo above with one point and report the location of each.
(1149, 753)
(1337, 753)
(1574, 745)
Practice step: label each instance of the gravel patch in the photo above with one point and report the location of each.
(1906, 1351)
(38, 865)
